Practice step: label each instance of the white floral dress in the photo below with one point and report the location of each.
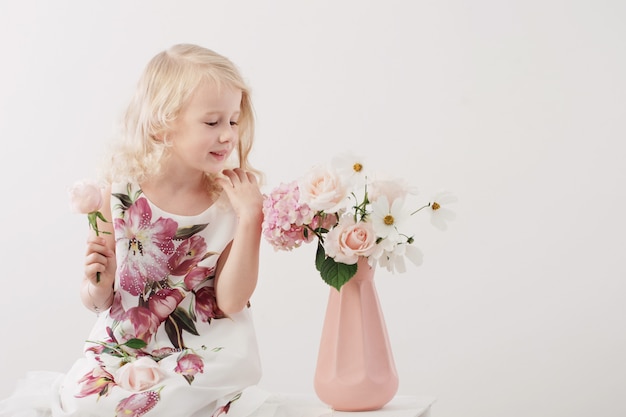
(164, 348)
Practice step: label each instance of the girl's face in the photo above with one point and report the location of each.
(205, 132)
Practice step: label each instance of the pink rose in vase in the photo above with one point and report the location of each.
(349, 240)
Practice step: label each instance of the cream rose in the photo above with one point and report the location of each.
(138, 375)
(349, 240)
(323, 189)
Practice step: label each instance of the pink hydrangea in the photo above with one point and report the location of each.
(285, 218)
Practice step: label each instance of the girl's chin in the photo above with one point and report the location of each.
(216, 168)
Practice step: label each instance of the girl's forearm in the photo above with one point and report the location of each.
(237, 278)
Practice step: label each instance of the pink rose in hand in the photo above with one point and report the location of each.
(138, 375)
(86, 198)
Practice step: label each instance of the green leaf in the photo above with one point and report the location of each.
(184, 321)
(137, 193)
(320, 256)
(174, 332)
(187, 232)
(101, 217)
(91, 217)
(135, 344)
(178, 321)
(124, 199)
(336, 274)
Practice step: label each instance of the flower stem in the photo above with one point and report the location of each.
(93, 221)
(421, 208)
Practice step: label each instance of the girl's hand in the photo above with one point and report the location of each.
(99, 258)
(243, 191)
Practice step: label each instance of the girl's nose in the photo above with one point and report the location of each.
(227, 134)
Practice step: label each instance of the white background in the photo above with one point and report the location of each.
(517, 106)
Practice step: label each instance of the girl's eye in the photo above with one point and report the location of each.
(234, 123)
(211, 123)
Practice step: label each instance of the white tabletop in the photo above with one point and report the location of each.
(303, 405)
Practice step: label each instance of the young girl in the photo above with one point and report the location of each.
(172, 273)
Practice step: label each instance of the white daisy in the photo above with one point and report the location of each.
(388, 220)
(440, 212)
(393, 260)
(351, 167)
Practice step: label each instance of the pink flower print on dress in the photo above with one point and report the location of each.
(223, 410)
(145, 245)
(206, 305)
(95, 349)
(163, 302)
(117, 311)
(163, 352)
(197, 276)
(98, 381)
(141, 323)
(139, 375)
(138, 404)
(188, 365)
(187, 255)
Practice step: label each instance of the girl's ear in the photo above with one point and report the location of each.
(161, 137)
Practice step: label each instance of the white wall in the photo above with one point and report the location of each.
(517, 106)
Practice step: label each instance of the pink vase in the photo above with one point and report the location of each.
(355, 368)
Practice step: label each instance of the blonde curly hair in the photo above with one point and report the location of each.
(167, 83)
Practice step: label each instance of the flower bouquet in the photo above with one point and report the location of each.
(352, 214)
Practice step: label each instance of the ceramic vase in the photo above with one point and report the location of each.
(355, 369)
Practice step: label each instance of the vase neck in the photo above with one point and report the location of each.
(364, 271)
